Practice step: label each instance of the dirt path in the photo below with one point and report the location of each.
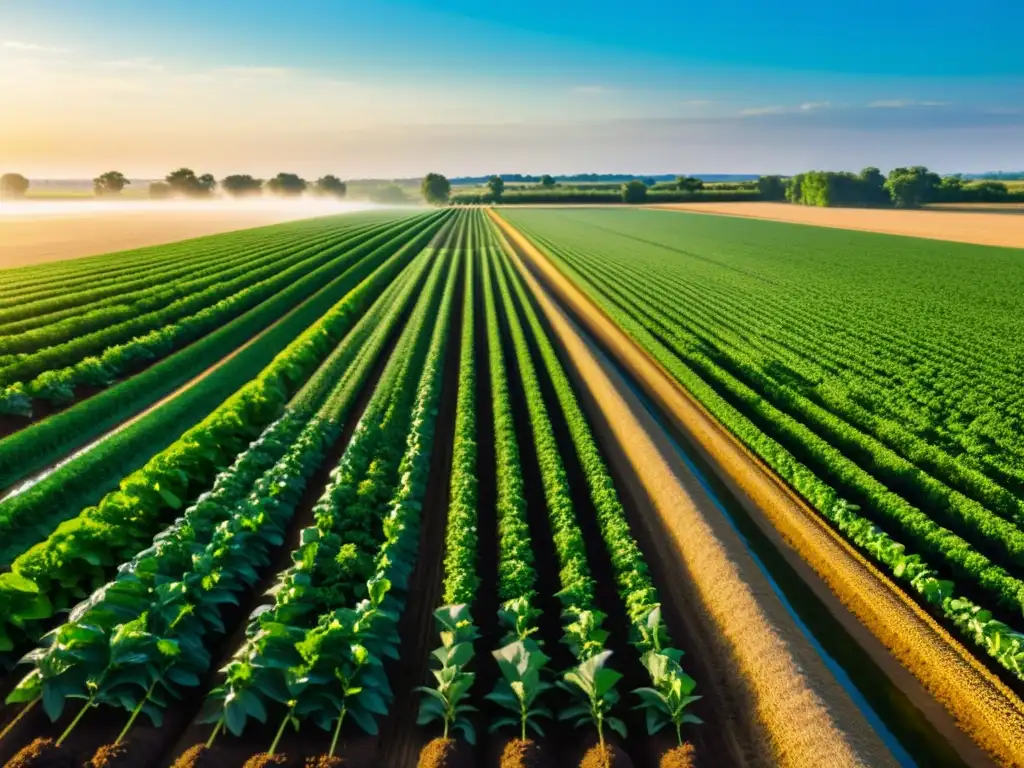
(983, 227)
(983, 705)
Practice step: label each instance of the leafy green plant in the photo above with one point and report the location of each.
(447, 702)
(665, 703)
(594, 683)
(521, 664)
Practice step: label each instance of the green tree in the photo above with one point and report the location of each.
(185, 183)
(634, 192)
(331, 185)
(436, 189)
(110, 183)
(158, 190)
(497, 186)
(287, 185)
(242, 185)
(771, 188)
(873, 183)
(912, 187)
(547, 180)
(13, 185)
(689, 184)
(392, 194)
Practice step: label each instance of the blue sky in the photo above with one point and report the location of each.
(400, 87)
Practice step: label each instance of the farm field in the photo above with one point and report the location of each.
(980, 223)
(39, 231)
(398, 488)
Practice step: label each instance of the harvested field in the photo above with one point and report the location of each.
(39, 232)
(980, 224)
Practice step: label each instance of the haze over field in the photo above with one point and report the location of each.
(400, 87)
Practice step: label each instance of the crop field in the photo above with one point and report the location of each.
(878, 376)
(356, 491)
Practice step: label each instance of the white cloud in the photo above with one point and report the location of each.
(139, 64)
(753, 111)
(807, 106)
(902, 103)
(18, 45)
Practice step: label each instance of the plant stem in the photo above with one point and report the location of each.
(74, 722)
(28, 708)
(337, 731)
(280, 732)
(446, 729)
(679, 733)
(135, 714)
(216, 730)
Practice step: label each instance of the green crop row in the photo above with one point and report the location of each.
(81, 552)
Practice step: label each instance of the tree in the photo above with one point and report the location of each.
(547, 180)
(13, 185)
(158, 190)
(392, 194)
(185, 183)
(242, 185)
(497, 186)
(436, 189)
(771, 188)
(110, 183)
(331, 185)
(689, 184)
(287, 185)
(873, 183)
(634, 192)
(911, 187)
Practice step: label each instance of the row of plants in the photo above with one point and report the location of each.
(671, 693)
(317, 652)
(447, 700)
(98, 358)
(977, 624)
(49, 279)
(139, 640)
(43, 443)
(139, 293)
(823, 429)
(79, 555)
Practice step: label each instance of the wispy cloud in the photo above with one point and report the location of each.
(754, 111)
(18, 45)
(807, 106)
(592, 90)
(139, 64)
(903, 103)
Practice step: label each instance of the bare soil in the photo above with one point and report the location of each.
(755, 660)
(983, 225)
(78, 230)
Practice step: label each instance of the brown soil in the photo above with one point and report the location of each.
(263, 759)
(770, 688)
(34, 239)
(962, 224)
(445, 753)
(43, 753)
(679, 757)
(110, 755)
(198, 756)
(324, 761)
(605, 756)
(523, 754)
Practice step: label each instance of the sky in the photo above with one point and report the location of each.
(397, 88)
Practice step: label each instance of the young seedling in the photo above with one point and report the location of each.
(519, 617)
(446, 703)
(665, 703)
(593, 682)
(521, 664)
